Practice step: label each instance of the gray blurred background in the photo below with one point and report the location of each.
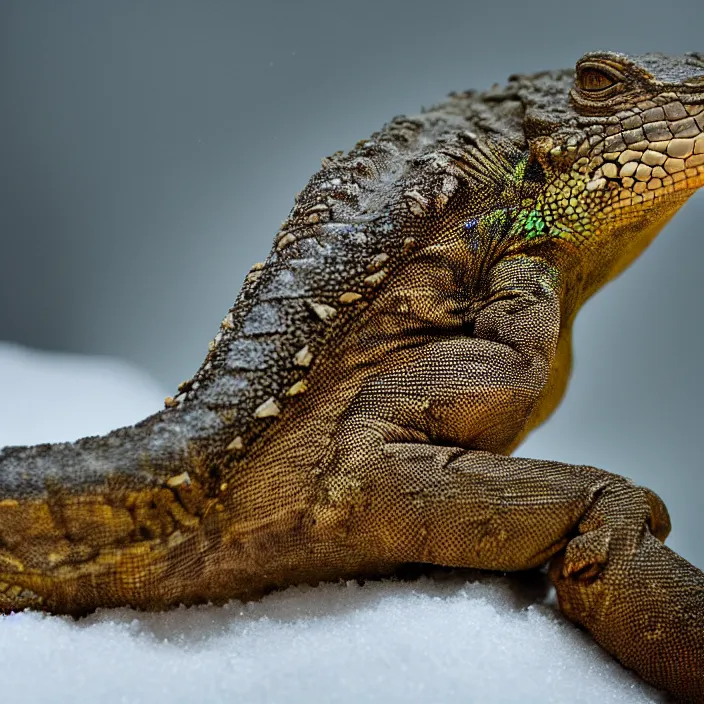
(150, 149)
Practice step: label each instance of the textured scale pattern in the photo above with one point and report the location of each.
(358, 407)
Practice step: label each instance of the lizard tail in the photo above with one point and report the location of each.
(99, 521)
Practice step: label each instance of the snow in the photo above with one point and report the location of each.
(486, 639)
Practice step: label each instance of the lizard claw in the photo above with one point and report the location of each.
(586, 555)
(658, 518)
(619, 510)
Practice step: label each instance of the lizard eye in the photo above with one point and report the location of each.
(594, 80)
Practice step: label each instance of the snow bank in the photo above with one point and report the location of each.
(432, 640)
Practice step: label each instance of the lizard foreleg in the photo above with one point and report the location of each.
(434, 486)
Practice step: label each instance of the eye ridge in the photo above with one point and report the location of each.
(595, 80)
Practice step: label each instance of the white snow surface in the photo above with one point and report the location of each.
(432, 640)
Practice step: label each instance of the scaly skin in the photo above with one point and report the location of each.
(357, 408)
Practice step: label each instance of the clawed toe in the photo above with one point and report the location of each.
(586, 555)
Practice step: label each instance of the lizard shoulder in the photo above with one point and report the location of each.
(354, 226)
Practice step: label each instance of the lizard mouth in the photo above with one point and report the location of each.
(655, 154)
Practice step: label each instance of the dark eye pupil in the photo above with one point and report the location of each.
(591, 79)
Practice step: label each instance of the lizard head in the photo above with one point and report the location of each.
(630, 154)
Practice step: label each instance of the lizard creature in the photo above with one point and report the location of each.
(358, 407)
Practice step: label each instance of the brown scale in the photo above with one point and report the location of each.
(357, 409)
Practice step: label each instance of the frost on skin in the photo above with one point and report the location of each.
(250, 354)
(264, 319)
